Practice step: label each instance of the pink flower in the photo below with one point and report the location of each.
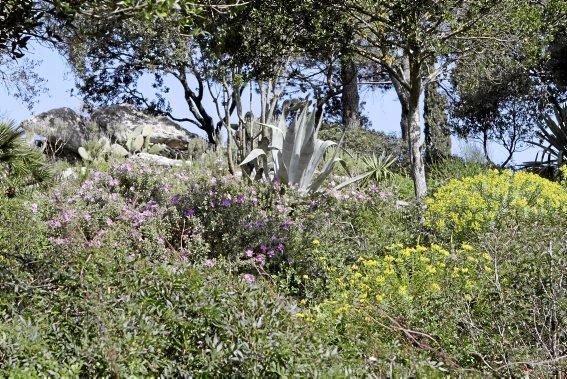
(210, 263)
(249, 278)
(249, 253)
(109, 222)
(34, 208)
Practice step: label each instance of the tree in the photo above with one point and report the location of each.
(405, 36)
(502, 97)
(436, 124)
(350, 98)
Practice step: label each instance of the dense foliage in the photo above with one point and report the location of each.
(134, 269)
(284, 252)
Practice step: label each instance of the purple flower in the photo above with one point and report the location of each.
(281, 247)
(189, 213)
(210, 263)
(68, 215)
(175, 200)
(58, 241)
(240, 199)
(54, 223)
(226, 203)
(249, 253)
(287, 224)
(87, 217)
(263, 248)
(249, 278)
(34, 208)
(271, 253)
(260, 259)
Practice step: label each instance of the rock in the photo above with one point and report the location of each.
(62, 128)
(116, 121)
(157, 159)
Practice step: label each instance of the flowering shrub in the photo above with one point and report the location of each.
(472, 205)
(408, 293)
(409, 277)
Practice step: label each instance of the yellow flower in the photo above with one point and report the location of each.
(305, 277)
(379, 298)
(435, 287)
(389, 259)
(403, 290)
(389, 271)
(487, 256)
(466, 247)
(315, 243)
(468, 297)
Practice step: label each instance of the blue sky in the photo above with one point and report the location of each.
(383, 109)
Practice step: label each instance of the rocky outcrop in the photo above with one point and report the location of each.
(65, 130)
(117, 121)
(62, 128)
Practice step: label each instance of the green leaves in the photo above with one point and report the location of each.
(20, 164)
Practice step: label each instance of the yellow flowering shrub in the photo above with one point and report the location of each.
(479, 203)
(408, 282)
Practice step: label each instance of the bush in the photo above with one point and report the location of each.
(463, 208)
(105, 313)
(397, 299)
(365, 141)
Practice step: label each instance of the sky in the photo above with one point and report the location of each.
(382, 108)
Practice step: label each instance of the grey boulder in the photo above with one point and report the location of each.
(61, 128)
(117, 121)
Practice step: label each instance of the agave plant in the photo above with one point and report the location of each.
(20, 164)
(377, 168)
(297, 155)
(552, 136)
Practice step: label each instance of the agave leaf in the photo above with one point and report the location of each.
(356, 179)
(254, 154)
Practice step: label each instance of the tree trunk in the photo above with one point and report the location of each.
(417, 161)
(409, 91)
(350, 97)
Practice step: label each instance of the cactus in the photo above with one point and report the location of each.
(118, 151)
(139, 140)
(85, 154)
(136, 141)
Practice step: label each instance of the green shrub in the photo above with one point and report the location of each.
(463, 208)
(365, 141)
(104, 312)
(450, 168)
